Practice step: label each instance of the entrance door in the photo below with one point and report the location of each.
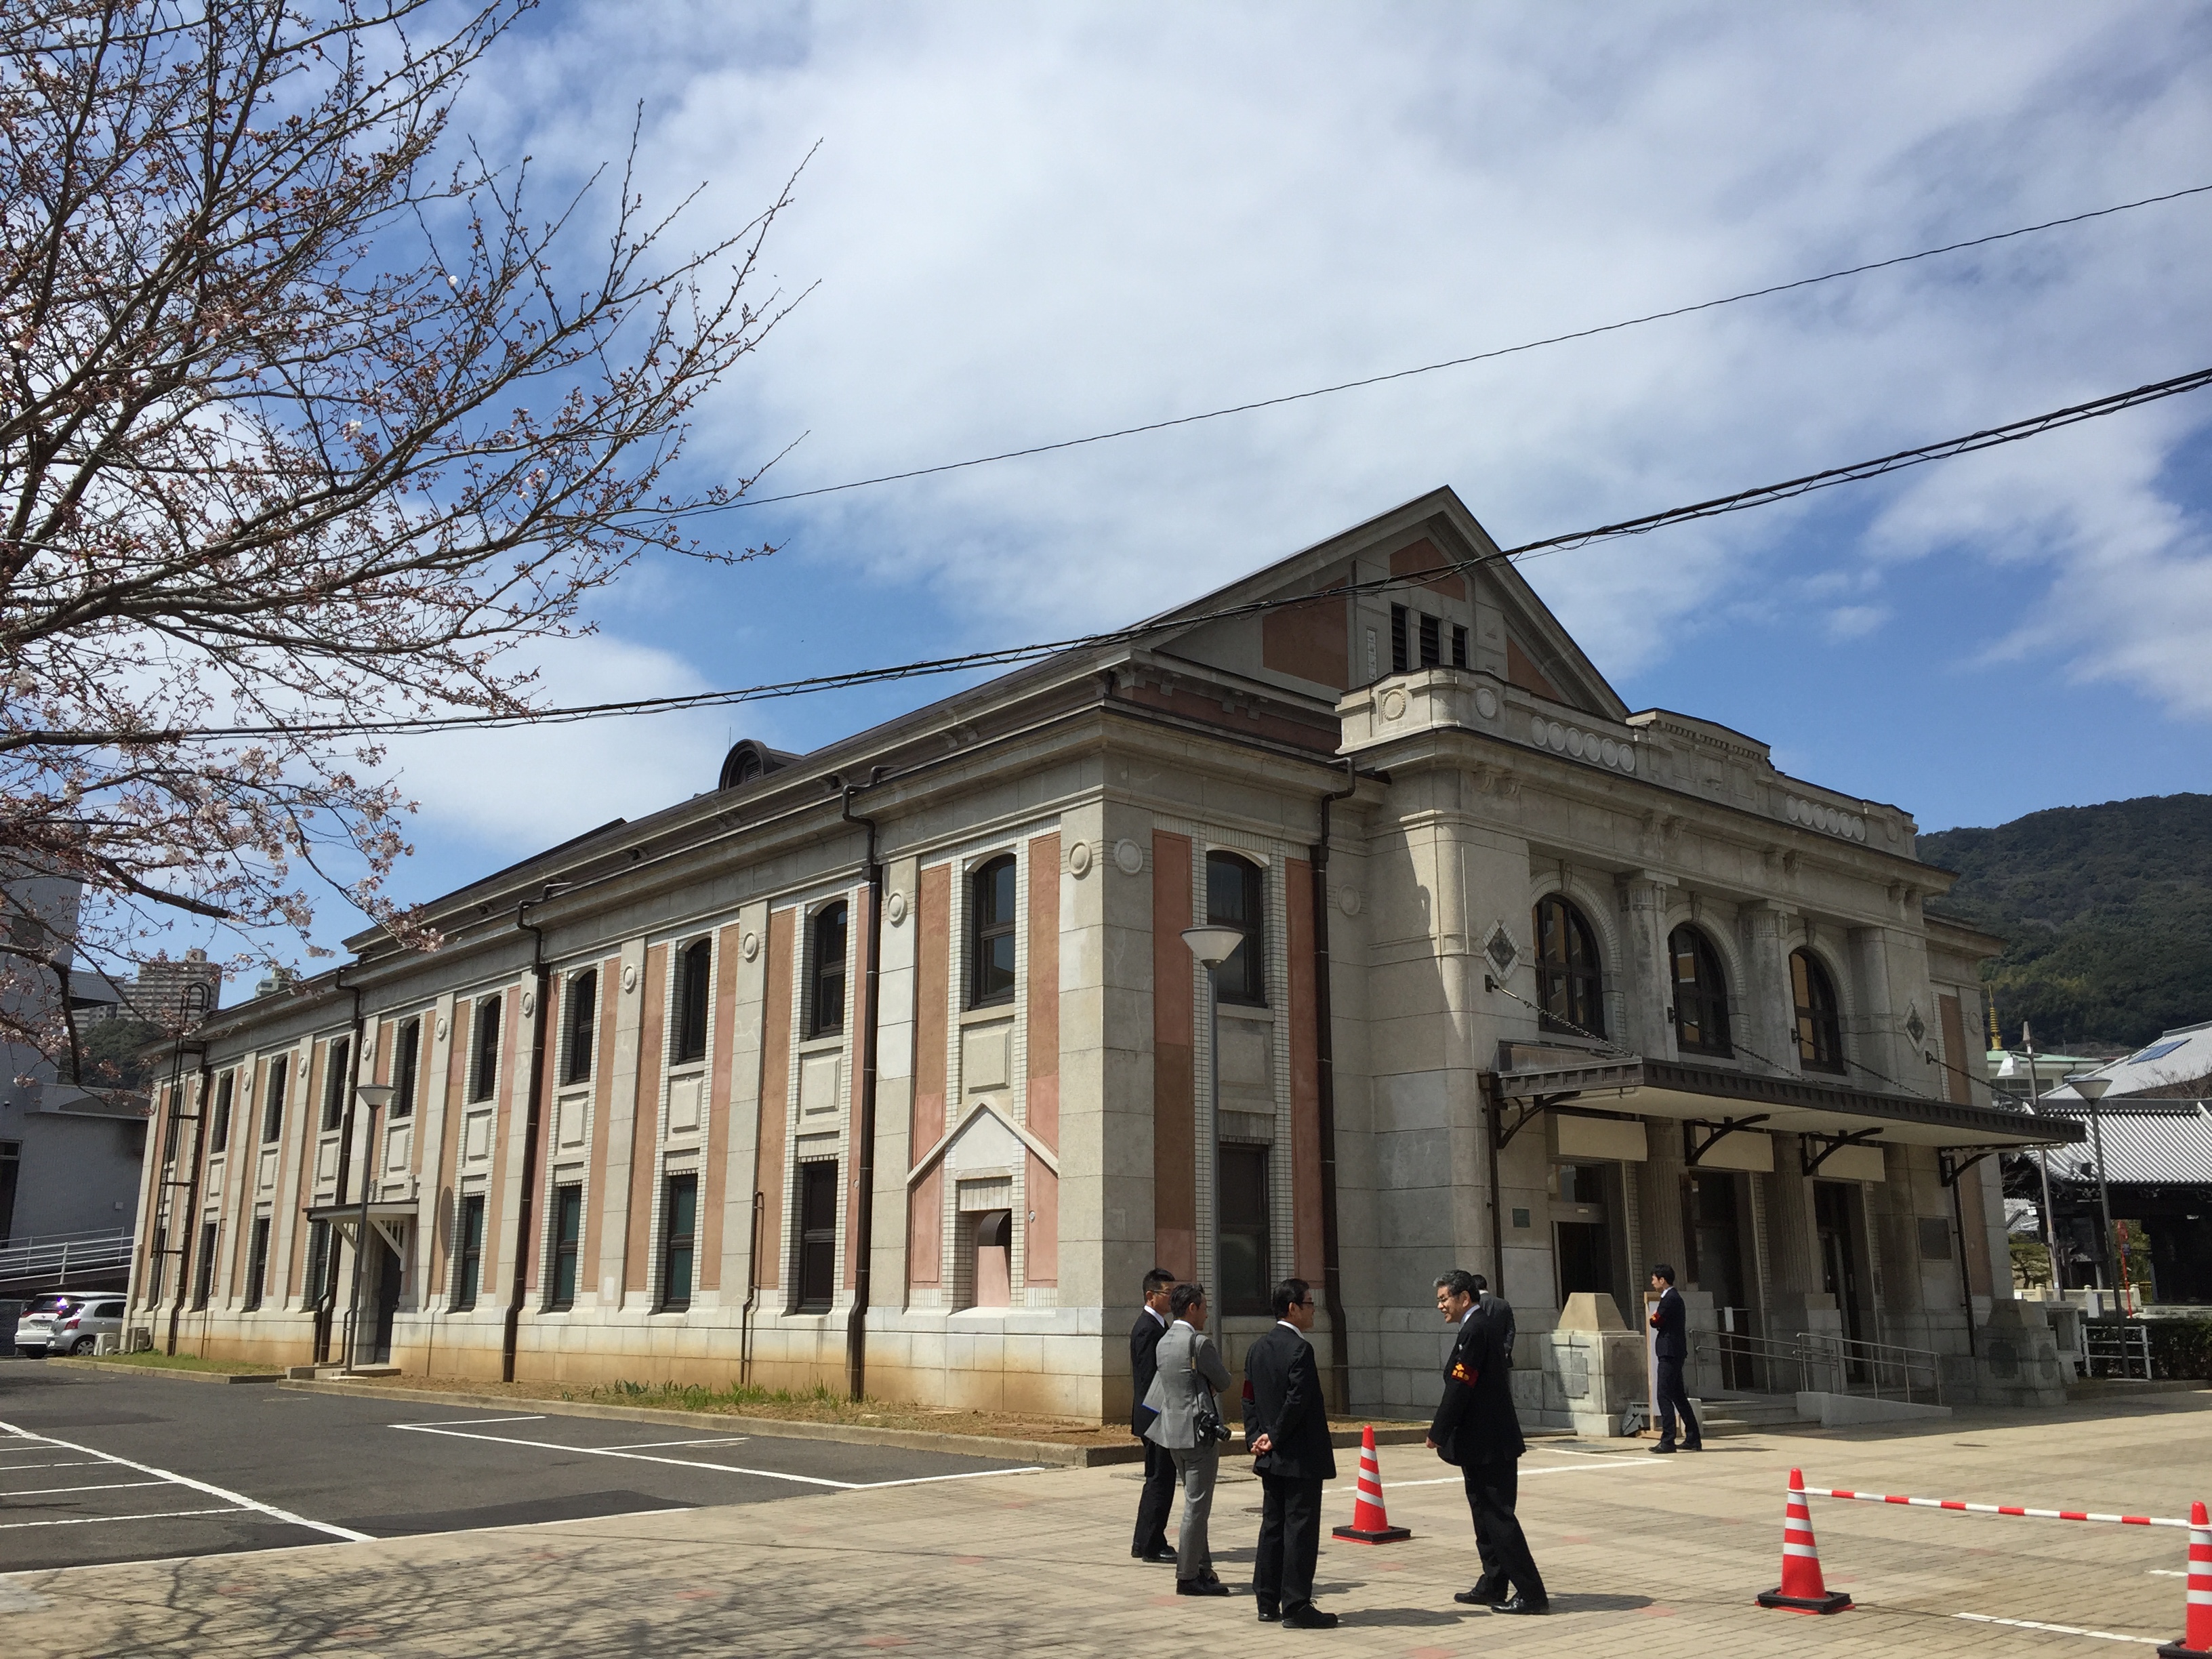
(1582, 1230)
(1833, 1205)
(1715, 1237)
(995, 1254)
(388, 1272)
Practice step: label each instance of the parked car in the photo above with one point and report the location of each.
(66, 1322)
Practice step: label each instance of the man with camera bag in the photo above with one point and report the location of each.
(1189, 1427)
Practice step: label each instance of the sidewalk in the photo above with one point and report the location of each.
(1659, 1555)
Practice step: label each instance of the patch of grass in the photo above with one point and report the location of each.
(819, 1402)
(156, 1360)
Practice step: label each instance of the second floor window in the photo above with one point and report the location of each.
(1236, 892)
(219, 1131)
(583, 1022)
(406, 1058)
(695, 972)
(825, 985)
(1701, 1017)
(1819, 1028)
(483, 1072)
(1568, 978)
(990, 943)
(273, 1106)
(334, 1082)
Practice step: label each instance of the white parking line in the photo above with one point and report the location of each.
(105, 1485)
(649, 1445)
(102, 1520)
(229, 1496)
(469, 1422)
(726, 1468)
(74, 1463)
(2058, 1630)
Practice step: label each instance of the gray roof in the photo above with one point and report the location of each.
(2147, 1142)
(2180, 1056)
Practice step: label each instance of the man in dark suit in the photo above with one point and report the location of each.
(1671, 1320)
(1476, 1427)
(1151, 1543)
(1286, 1430)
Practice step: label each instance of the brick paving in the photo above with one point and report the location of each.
(1657, 1556)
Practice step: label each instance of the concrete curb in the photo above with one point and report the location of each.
(177, 1374)
(968, 1445)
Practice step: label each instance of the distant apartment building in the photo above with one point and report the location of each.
(173, 994)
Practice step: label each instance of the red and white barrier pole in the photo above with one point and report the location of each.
(1966, 1508)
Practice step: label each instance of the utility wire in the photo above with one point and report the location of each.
(1448, 362)
(1764, 495)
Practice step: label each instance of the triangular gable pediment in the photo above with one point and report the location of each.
(1339, 641)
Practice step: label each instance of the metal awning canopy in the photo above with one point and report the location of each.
(1784, 1105)
(387, 1215)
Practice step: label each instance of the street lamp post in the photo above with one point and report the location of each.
(1212, 945)
(371, 1096)
(2092, 1089)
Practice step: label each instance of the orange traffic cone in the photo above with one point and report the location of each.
(1802, 1589)
(2196, 1639)
(1370, 1524)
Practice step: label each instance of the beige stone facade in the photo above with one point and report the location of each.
(641, 1134)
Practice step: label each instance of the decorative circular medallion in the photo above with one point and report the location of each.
(1393, 703)
(1557, 735)
(895, 906)
(751, 946)
(529, 1003)
(1627, 758)
(1538, 731)
(1574, 743)
(1348, 901)
(1128, 857)
(1079, 858)
(1486, 702)
(1609, 752)
(629, 977)
(441, 1026)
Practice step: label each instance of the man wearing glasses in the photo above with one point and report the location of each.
(1286, 1429)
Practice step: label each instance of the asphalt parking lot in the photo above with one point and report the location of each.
(98, 1467)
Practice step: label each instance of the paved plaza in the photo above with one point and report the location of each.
(1653, 1556)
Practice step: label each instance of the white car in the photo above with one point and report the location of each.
(67, 1321)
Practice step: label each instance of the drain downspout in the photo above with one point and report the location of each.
(1332, 1272)
(864, 1226)
(541, 977)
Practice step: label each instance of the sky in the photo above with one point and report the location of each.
(1021, 224)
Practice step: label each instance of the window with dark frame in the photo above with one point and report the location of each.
(157, 1262)
(1245, 1280)
(406, 1061)
(335, 1068)
(319, 1284)
(272, 1108)
(1701, 1016)
(1236, 896)
(219, 1131)
(203, 1274)
(679, 1229)
(256, 1263)
(1401, 655)
(990, 940)
(825, 978)
(817, 1234)
(1569, 979)
(694, 977)
(484, 1069)
(583, 1022)
(1432, 654)
(567, 1235)
(1820, 1023)
(468, 1253)
(1459, 645)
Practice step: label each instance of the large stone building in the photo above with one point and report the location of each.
(893, 1057)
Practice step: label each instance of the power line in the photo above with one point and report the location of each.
(1448, 362)
(1741, 501)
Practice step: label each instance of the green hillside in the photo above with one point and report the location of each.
(2108, 909)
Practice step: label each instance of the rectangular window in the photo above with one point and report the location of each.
(818, 1235)
(156, 1265)
(219, 1131)
(825, 990)
(272, 1109)
(203, 1274)
(468, 1264)
(256, 1263)
(483, 1073)
(583, 1020)
(679, 1228)
(319, 1262)
(1401, 656)
(991, 933)
(334, 1082)
(1459, 646)
(406, 1054)
(567, 1235)
(1431, 643)
(1243, 1178)
(695, 973)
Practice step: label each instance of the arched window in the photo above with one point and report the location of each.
(583, 1022)
(991, 932)
(1236, 896)
(825, 985)
(695, 973)
(1701, 1021)
(1568, 980)
(1819, 1029)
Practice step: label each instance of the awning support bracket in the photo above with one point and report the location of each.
(1950, 1166)
(1501, 1135)
(1830, 1146)
(1727, 1125)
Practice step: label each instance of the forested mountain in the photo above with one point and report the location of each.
(2108, 910)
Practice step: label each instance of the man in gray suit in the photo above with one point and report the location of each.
(1189, 1376)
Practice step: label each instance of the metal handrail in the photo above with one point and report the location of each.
(1842, 1365)
(53, 1257)
(2110, 1343)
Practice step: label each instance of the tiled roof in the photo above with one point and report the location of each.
(2146, 1142)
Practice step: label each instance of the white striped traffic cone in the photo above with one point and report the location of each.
(1370, 1524)
(2195, 1642)
(1801, 1589)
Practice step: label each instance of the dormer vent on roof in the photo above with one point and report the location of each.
(749, 759)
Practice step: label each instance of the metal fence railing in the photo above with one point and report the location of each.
(1820, 1362)
(2117, 1348)
(50, 1262)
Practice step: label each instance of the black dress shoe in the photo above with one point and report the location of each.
(1271, 1615)
(1694, 1445)
(1521, 1604)
(1200, 1587)
(1658, 1449)
(1480, 1596)
(1158, 1557)
(1307, 1617)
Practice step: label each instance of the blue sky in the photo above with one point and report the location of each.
(1025, 224)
